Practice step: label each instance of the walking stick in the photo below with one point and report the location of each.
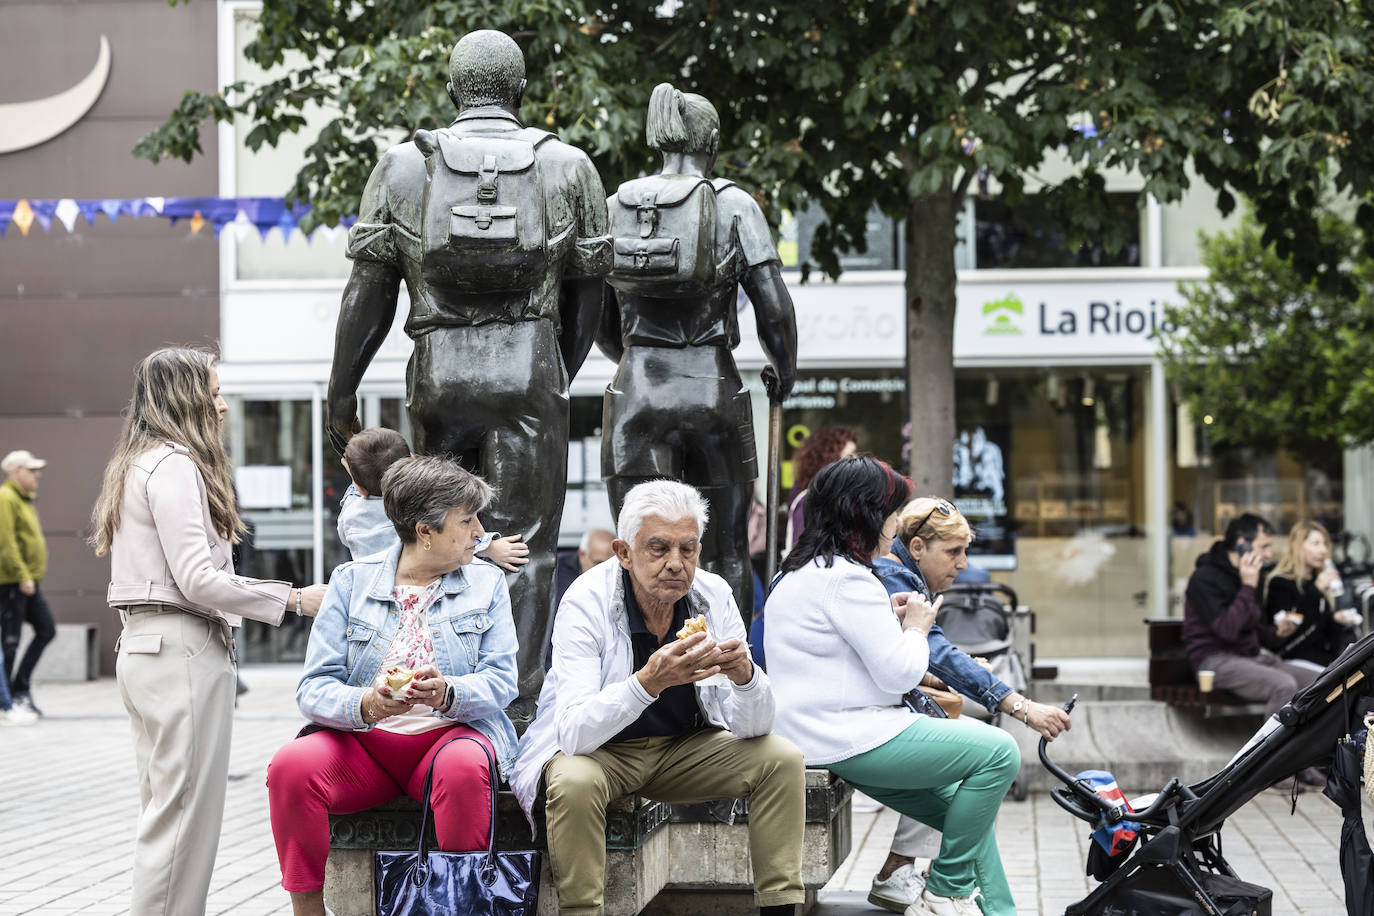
(774, 469)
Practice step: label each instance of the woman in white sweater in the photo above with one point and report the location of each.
(841, 655)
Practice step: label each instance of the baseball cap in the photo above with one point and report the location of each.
(21, 458)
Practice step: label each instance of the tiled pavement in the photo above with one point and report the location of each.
(69, 800)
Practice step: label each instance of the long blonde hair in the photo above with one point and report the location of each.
(1294, 563)
(172, 402)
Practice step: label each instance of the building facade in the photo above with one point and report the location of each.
(79, 308)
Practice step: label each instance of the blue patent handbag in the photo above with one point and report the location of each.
(482, 883)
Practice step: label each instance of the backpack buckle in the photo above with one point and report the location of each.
(486, 188)
(647, 213)
(641, 257)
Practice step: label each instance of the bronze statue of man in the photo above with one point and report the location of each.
(683, 245)
(499, 232)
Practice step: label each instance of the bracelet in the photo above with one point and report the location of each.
(298, 603)
(1023, 703)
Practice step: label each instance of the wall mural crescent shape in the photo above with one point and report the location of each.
(26, 124)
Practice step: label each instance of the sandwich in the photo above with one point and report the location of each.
(695, 624)
(397, 678)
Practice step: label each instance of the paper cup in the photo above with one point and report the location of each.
(1205, 680)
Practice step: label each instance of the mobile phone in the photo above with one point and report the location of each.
(1242, 547)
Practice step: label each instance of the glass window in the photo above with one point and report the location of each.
(881, 233)
(1213, 484)
(270, 443)
(1050, 470)
(871, 402)
(1071, 455)
(1028, 235)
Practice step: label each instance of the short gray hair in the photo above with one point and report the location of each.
(423, 490)
(667, 499)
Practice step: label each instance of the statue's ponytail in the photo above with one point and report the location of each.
(665, 129)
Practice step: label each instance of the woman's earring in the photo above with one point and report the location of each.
(427, 545)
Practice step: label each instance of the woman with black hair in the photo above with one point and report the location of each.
(835, 625)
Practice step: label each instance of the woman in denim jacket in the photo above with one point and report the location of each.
(929, 550)
(422, 607)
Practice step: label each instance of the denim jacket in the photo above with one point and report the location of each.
(947, 662)
(474, 646)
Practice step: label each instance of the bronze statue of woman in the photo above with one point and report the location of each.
(683, 245)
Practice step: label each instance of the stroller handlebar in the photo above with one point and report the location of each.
(1112, 813)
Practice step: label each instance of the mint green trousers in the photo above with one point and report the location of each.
(951, 774)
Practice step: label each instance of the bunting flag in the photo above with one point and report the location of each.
(244, 214)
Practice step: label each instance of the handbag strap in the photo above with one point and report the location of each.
(429, 781)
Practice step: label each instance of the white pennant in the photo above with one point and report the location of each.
(67, 212)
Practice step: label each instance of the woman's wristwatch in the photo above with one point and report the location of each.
(448, 699)
(1023, 703)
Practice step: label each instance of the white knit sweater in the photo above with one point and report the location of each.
(839, 661)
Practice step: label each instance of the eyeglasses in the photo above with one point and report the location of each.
(944, 507)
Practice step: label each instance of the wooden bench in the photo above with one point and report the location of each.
(1173, 681)
(660, 858)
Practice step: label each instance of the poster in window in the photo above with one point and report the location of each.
(980, 489)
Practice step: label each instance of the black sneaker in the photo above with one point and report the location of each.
(25, 701)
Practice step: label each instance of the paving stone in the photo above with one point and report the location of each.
(84, 750)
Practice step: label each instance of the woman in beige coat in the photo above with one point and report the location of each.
(166, 516)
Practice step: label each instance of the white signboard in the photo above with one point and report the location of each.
(263, 486)
(1004, 317)
(1062, 320)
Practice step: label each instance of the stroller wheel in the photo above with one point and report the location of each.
(1019, 791)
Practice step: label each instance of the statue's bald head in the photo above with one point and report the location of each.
(486, 68)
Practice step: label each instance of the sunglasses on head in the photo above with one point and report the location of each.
(944, 507)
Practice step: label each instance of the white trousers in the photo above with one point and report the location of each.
(176, 673)
(915, 840)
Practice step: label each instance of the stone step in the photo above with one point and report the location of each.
(1059, 691)
(1143, 743)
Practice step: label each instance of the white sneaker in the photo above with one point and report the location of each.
(16, 715)
(899, 891)
(929, 904)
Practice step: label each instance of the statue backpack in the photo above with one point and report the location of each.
(484, 226)
(663, 235)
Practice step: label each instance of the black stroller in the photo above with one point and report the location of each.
(980, 619)
(1176, 866)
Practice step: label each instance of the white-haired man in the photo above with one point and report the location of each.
(624, 709)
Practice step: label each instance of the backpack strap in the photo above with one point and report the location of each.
(534, 136)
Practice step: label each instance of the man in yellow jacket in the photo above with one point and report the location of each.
(23, 561)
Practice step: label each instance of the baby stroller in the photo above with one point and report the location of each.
(980, 619)
(1175, 864)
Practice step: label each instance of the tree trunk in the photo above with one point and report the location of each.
(930, 301)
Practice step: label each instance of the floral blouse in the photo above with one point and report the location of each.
(412, 648)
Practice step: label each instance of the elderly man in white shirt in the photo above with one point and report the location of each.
(630, 708)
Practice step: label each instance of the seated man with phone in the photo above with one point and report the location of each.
(1225, 629)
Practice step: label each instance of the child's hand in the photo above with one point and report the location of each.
(509, 553)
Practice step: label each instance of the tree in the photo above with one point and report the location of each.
(1272, 358)
(852, 104)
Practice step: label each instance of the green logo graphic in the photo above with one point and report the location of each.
(1002, 312)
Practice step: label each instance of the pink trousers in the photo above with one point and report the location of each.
(333, 772)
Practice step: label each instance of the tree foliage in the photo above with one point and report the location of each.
(856, 104)
(1271, 357)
